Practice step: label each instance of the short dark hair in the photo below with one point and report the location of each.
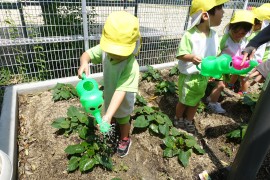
(257, 21)
(213, 11)
(240, 25)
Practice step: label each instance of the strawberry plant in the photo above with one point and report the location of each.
(181, 145)
(151, 74)
(64, 92)
(165, 87)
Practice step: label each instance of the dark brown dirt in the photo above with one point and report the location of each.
(42, 156)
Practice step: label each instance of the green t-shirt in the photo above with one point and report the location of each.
(195, 42)
(117, 76)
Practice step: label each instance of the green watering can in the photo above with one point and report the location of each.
(217, 66)
(91, 99)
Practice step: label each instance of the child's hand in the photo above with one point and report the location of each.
(256, 76)
(107, 118)
(196, 60)
(83, 68)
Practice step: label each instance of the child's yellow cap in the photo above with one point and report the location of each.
(204, 5)
(262, 12)
(200, 6)
(120, 33)
(243, 16)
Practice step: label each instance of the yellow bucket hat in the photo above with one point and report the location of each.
(262, 12)
(243, 16)
(120, 33)
(200, 6)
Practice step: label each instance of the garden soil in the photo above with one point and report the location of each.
(42, 156)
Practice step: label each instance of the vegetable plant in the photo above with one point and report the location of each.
(181, 145)
(148, 117)
(174, 71)
(165, 87)
(151, 74)
(64, 92)
(92, 150)
(237, 134)
(251, 100)
(140, 101)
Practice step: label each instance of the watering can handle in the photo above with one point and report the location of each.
(197, 66)
(83, 76)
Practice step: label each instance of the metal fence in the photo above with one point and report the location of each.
(43, 39)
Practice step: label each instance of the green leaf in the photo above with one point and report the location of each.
(150, 117)
(159, 119)
(199, 149)
(73, 163)
(175, 131)
(141, 122)
(154, 128)
(73, 112)
(148, 110)
(187, 136)
(74, 149)
(167, 120)
(65, 124)
(244, 129)
(164, 129)
(168, 152)
(91, 152)
(74, 119)
(82, 132)
(169, 142)
(184, 157)
(181, 141)
(82, 118)
(190, 142)
(105, 161)
(234, 134)
(87, 164)
(57, 122)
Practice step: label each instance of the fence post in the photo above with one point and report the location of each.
(245, 5)
(85, 25)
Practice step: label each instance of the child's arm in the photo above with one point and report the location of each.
(190, 58)
(84, 60)
(115, 103)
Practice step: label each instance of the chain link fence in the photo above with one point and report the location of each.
(44, 39)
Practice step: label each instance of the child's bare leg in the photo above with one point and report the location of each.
(124, 130)
(190, 113)
(233, 79)
(180, 109)
(214, 96)
(244, 85)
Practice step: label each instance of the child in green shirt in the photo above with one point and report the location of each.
(119, 43)
(198, 42)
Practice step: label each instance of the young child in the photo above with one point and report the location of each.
(197, 42)
(119, 42)
(232, 43)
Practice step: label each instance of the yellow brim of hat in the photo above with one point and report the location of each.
(116, 48)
